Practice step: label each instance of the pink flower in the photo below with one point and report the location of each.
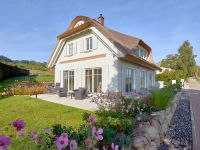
(114, 147)
(97, 133)
(4, 142)
(129, 106)
(88, 143)
(62, 141)
(91, 119)
(19, 124)
(64, 135)
(73, 145)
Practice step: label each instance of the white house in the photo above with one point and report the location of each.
(90, 55)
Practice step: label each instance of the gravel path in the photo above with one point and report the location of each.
(180, 130)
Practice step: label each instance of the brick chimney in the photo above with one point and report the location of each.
(101, 19)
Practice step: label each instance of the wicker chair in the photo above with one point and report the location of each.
(80, 94)
(62, 92)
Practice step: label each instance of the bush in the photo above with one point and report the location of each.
(27, 88)
(167, 76)
(162, 98)
(7, 71)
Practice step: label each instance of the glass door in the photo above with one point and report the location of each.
(88, 80)
(65, 80)
(68, 80)
(93, 80)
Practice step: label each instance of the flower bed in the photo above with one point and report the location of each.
(24, 88)
(110, 128)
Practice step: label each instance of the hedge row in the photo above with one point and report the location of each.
(7, 71)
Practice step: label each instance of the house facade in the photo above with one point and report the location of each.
(93, 56)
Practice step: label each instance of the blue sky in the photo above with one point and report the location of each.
(28, 28)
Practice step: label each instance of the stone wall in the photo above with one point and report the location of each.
(149, 134)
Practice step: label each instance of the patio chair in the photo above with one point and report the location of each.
(62, 92)
(80, 94)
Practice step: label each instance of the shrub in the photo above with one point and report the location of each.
(162, 98)
(27, 88)
(7, 71)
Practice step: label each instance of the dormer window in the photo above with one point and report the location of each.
(79, 23)
(89, 43)
(142, 53)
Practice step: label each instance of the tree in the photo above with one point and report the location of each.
(170, 61)
(186, 59)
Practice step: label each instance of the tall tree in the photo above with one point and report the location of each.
(186, 59)
(170, 61)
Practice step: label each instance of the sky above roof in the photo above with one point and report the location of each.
(28, 28)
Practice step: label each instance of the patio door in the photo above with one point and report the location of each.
(68, 79)
(93, 80)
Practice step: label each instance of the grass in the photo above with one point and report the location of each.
(38, 114)
(162, 98)
(39, 78)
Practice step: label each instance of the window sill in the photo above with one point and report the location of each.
(87, 51)
(69, 55)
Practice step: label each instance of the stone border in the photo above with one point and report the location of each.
(149, 134)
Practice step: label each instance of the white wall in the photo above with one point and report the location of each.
(113, 70)
(107, 63)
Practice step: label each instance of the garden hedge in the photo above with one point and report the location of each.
(7, 71)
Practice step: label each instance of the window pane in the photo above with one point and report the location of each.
(88, 80)
(90, 42)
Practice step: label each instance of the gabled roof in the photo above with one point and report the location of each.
(125, 43)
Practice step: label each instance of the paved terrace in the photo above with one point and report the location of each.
(85, 104)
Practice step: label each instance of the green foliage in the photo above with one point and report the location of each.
(167, 76)
(183, 62)
(7, 71)
(162, 98)
(170, 61)
(39, 78)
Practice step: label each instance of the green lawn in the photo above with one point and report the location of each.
(37, 114)
(39, 78)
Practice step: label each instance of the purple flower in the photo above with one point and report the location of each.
(114, 147)
(19, 124)
(47, 131)
(73, 145)
(4, 142)
(113, 110)
(64, 135)
(62, 141)
(97, 133)
(88, 143)
(21, 134)
(91, 119)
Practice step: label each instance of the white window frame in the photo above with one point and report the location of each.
(89, 43)
(132, 78)
(68, 79)
(70, 49)
(93, 77)
(143, 53)
(145, 79)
